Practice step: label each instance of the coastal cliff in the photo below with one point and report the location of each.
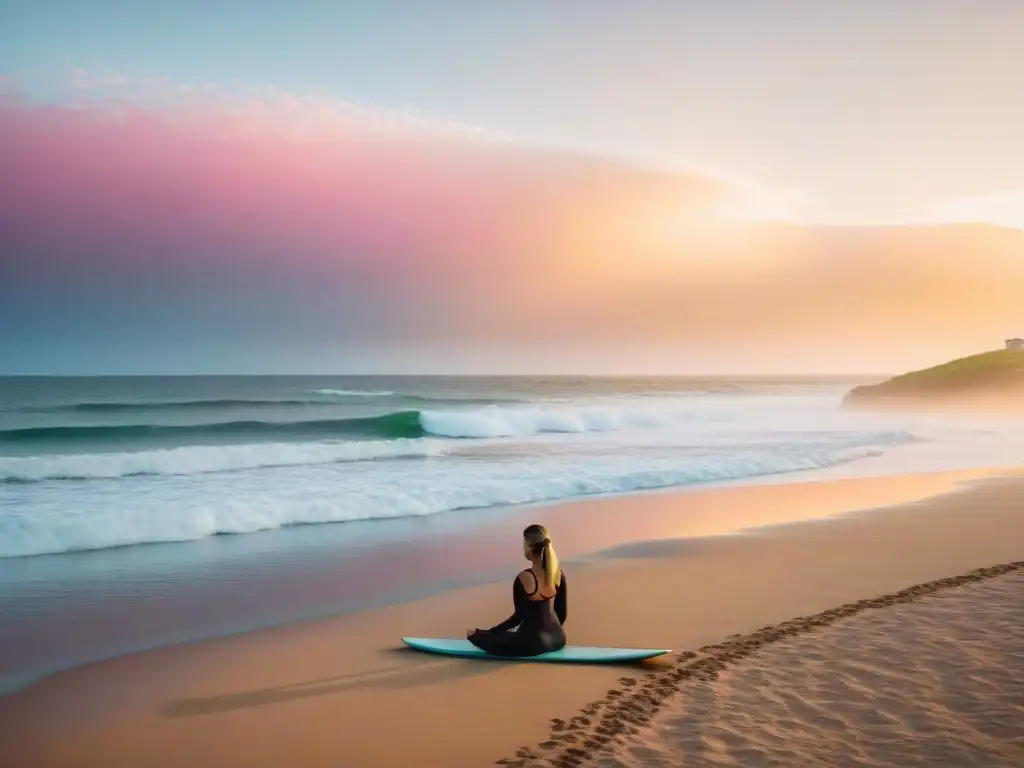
(990, 378)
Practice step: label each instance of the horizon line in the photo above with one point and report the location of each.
(442, 375)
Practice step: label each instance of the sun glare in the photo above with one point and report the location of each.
(1005, 209)
(735, 214)
(759, 208)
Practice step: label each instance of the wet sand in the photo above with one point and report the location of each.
(341, 692)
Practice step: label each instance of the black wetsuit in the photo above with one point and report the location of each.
(534, 628)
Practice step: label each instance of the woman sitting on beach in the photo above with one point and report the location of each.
(539, 595)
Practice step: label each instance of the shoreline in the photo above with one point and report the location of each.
(292, 687)
(680, 512)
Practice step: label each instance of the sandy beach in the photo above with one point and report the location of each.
(926, 676)
(341, 692)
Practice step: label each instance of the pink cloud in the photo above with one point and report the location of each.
(326, 185)
(445, 231)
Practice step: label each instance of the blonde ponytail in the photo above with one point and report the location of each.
(549, 559)
(538, 539)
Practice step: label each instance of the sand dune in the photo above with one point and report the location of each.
(932, 675)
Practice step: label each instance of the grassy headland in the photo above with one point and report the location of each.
(995, 378)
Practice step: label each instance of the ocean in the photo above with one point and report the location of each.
(137, 511)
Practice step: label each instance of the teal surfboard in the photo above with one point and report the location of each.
(579, 654)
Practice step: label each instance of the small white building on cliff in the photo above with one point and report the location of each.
(1015, 343)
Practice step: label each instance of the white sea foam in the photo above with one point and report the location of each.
(201, 459)
(354, 392)
(148, 512)
(675, 426)
(499, 421)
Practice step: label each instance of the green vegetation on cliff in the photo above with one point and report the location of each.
(990, 374)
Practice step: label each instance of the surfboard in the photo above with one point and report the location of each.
(579, 654)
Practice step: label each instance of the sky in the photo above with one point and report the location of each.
(607, 187)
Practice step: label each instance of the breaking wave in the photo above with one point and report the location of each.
(490, 421)
(204, 459)
(497, 485)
